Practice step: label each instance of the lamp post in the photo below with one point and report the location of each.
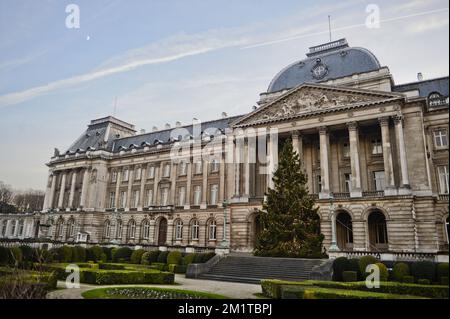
(224, 243)
(334, 247)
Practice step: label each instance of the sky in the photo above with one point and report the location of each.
(151, 62)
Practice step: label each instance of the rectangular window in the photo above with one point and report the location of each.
(112, 199)
(318, 184)
(348, 182)
(113, 176)
(182, 169)
(181, 196)
(377, 147)
(135, 199)
(149, 197)
(137, 174)
(379, 180)
(123, 199)
(197, 195)
(166, 170)
(346, 150)
(198, 167)
(151, 172)
(215, 165)
(214, 193)
(164, 196)
(443, 179)
(440, 138)
(125, 175)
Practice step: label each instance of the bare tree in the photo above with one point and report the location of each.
(29, 200)
(6, 193)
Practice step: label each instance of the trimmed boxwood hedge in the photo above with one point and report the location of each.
(162, 257)
(400, 271)
(272, 288)
(349, 276)
(423, 270)
(121, 254)
(174, 257)
(136, 256)
(149, 257)
(177, 269)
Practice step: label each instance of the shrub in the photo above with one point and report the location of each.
(27, 253)
(64, 254)
(384, 273)
(353, 265)
(442, 271)
(160, 266)
(149, 257)
(136, 256)
(96, 254)
(78, 254)
(408, 279)
(349, 276)
(108, 253)
(110, 266)
(423, 270)
(339, 266)
(121, 254)
(423, 282)
(4, 255)
(162, 257)
(400, 271)
(177, 269)
(174, 257)
(188, 259)
(201, 258)
(444, 281)
(364, 262)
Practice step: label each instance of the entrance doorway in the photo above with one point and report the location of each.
(162, 232)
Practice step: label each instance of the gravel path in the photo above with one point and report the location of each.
(230, 289)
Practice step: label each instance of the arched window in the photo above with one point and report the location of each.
(4, 227)
(70, 228)
(131, 229)
(107, 229)
(145, 229)
(378, 236)
(119, 229)
(212, 229)
(179, 229)
(344, 231)
(59, 229)
(194, 229)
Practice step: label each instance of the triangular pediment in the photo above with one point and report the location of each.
(310, 99)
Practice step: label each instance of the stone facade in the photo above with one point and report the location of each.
(376, 157)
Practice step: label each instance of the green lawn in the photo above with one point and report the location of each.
(148, 293)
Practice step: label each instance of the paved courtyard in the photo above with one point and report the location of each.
(230, 289)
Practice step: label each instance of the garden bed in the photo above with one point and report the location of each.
(147, 293)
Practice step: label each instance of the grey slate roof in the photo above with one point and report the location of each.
(340, 59)
(164, 136)
(426, 87)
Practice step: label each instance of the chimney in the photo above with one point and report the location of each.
(419, 76)
(154, 129)
(167, 126)
(178, 124)
(224, 115)
(195, 120)
(142, 131)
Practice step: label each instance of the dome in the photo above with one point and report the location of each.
(325, 62)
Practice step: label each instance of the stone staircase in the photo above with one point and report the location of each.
(250, 269)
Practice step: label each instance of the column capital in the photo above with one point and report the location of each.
(323, 130)
(384, 121)
(352, 126)
(296, 133)
(398, 118)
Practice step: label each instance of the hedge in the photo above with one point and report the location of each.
(400, 271)
(442, 271)
(121, 254)
(136, 256)
(177, 269)
(96, 254)
(339, 266)
(349, 276)
(188, 259)
(408, 279)
(298, 292)
(364, 262)
(160, 266)
(174, 257)
(423, 270)
(149, 257)
(272, 288)
(384, 273)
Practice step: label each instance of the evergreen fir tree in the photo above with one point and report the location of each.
(290, 224)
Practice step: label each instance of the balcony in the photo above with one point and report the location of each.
(341, 195)
(373, 194)
(443, 197)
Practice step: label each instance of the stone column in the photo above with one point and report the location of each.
(237, 168)
(251, 159)
(52, 192)
(387, 157)
(221, 180)
(84, 188)
(353, 135)
(142, 190)
(188, 184)
(324, 165)
(62, 191)
(229, 156)
(129, 189)
(297, 144)
(158, 172)
(72, 189)
(118, 181)
(173, 183)
(169, 236)
(272, 149)
(247, 171)
(405, 187)
(203, 203)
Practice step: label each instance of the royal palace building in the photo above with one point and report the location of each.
(375, 153)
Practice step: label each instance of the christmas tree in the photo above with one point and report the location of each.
(290, 224)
